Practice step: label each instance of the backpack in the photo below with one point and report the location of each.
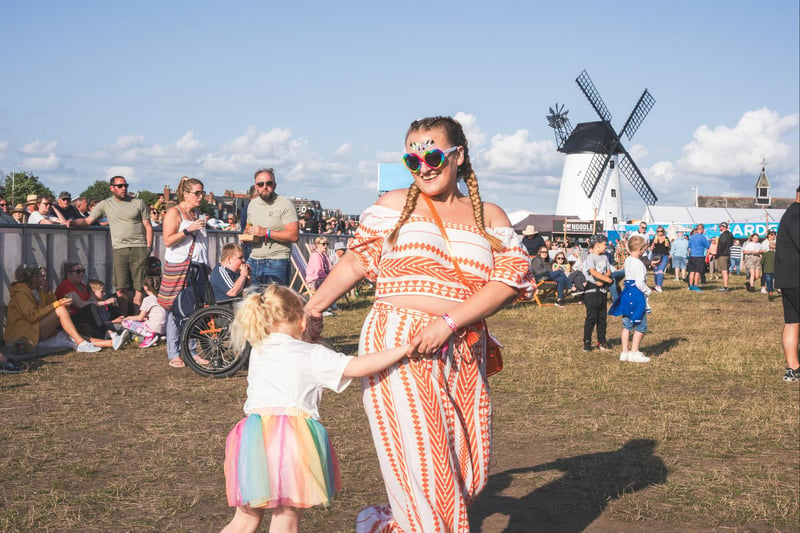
(194, 294)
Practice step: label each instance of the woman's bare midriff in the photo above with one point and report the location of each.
(426, 304)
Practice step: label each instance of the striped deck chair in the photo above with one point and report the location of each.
(298, 281)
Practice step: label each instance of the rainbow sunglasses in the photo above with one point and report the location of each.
(432, 158)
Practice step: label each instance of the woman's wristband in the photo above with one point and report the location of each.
(186, 231)
(450, 324)
(56, 304)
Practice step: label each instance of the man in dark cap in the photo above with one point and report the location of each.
(64, 206)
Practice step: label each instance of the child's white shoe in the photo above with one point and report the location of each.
(623, 356)
(637, 357)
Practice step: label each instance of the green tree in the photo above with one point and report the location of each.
(148, 197)
(19, 185)
(99, 190)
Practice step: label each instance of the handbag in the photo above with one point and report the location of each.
(494, 355)
(173, 279)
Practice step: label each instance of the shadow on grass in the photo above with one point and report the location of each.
(574, 500)
(664, 346)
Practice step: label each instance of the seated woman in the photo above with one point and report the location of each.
(319, 266)
(575, 277)
(84, 307)
(542, 271)
(35, 315)
(44, 214)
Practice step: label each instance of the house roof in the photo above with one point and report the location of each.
(762, 180)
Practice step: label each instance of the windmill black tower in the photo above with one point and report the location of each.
(595, 158)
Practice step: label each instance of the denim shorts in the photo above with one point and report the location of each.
(266, 271)
(640, 327)
(678, 262)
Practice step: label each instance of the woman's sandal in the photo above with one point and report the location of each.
(177, 363)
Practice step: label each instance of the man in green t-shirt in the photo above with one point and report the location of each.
(131, 239)
(273, 220)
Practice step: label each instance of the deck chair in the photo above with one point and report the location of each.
(544, 289)
(298, 281)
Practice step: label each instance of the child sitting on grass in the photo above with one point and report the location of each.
(597, 271)
(107, 307)
(151, 322)
(632, 303)
(279, 457)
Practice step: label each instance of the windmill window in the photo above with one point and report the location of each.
(762, 192)
(614, 220)
(614, 194)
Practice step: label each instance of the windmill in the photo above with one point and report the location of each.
(595, 157)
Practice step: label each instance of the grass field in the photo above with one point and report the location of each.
(705, 437)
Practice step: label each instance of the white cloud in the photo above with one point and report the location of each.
(127, 141)
(475, 137)
(48, 162)
(128, 172)
(734, 151)
(3, 146)
(38, 147)
(517, 153)
(343, 151)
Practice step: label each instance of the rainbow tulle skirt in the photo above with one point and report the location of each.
(280, 458)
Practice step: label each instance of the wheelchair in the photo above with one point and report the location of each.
(205, 340)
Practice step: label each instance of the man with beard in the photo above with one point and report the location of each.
(273, 220)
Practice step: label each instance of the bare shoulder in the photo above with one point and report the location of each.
(495, 216)
(393, 199)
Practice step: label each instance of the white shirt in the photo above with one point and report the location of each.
(286, 372)
(636, 271)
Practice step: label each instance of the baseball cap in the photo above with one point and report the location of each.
(64, 194)
(339, 246)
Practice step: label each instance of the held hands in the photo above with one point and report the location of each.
(66, 301)
(313, 331)
(430, 339)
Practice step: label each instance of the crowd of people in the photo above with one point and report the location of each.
(441, 262)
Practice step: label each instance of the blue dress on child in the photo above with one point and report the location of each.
(630, 303)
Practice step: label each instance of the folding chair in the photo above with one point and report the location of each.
(544, 289)
(298, 281)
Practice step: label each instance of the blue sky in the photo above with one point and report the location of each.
(325, 91)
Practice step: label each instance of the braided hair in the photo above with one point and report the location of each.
(455, 136)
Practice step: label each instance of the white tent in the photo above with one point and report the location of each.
(666, 215)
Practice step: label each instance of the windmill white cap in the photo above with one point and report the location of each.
(530, 229)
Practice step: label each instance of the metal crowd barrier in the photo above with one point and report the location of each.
(52, 246)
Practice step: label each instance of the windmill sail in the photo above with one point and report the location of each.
(642, 108)
(629, 169)
(588, 88)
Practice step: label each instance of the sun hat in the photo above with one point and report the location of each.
(19, 208)
(31, 199)
(530, 229)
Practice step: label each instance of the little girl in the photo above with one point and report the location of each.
(152, 318)
(279, 456)
(632, 303)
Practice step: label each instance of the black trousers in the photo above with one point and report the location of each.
(596, 313)
(88, 319)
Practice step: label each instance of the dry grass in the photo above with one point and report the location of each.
(704, 437)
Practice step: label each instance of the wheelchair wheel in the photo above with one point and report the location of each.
(205, 343)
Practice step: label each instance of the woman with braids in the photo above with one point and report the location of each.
(441, 262)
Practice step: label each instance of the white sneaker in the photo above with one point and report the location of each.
(87, 347)
(327, 313)
(637, 357)
(658, 289)
(764, 290)
(118, 340)
(623, 356)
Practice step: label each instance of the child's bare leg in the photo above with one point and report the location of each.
(246, 519)
(285, 520)
(637, 338)
(624, 339)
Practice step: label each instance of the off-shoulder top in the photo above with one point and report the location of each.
(419, 262)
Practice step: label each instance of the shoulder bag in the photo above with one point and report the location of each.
(173, 279)
(494, 356)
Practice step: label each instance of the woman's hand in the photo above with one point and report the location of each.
(197, 225)
(313, 331)
(431, 338)
(66, 302)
